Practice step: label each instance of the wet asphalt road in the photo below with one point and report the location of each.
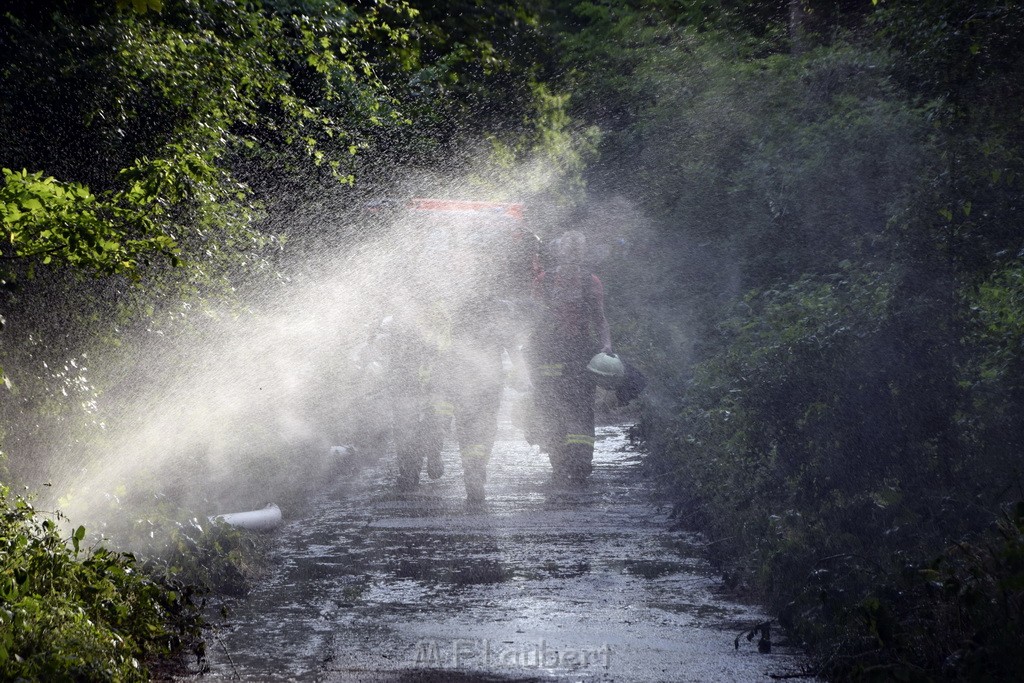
(541, 584)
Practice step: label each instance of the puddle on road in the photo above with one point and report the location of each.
(540, 585)
(652, 569)
(460, 572)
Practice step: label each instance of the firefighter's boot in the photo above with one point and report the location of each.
(435, 465)
(408, 474)
(474, 471)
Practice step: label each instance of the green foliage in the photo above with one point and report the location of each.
(48, 222)
(991, 376)
(152, 141)
(961, 60)
(212, 556)
(831, 455)
(767, 429)
(71, 613)
(141, 6)
(179, 107)
(977, 593)
(216, 556)
(834, 195)
(955, 615)
(997, 309)
(548, 160)
(785, 164)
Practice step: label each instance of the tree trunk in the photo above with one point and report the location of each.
(797, 18)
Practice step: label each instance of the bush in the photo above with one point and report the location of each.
(846, 449)
(67, 613)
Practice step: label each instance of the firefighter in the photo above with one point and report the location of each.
(416, 346)
(468, 268)
(492, 268)
(476, 387)
(417, 341)
(572, 327)
(486, 275)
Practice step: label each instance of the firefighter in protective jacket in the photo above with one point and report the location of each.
(572, 327)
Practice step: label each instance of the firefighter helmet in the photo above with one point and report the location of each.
(608, 369)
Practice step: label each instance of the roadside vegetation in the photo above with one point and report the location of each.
(72, 612)
(834, 319)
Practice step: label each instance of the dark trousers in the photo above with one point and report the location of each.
(476, 425)
(419, 424)
(564, 411)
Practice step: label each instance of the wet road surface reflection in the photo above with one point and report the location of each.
(541, 584)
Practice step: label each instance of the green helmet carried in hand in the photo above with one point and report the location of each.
(608, 369)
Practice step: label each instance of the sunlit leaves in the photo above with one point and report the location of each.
(141, 6)
(52, 222)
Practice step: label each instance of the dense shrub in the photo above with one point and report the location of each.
(831, 306)
(846, 471)
(71, 613)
